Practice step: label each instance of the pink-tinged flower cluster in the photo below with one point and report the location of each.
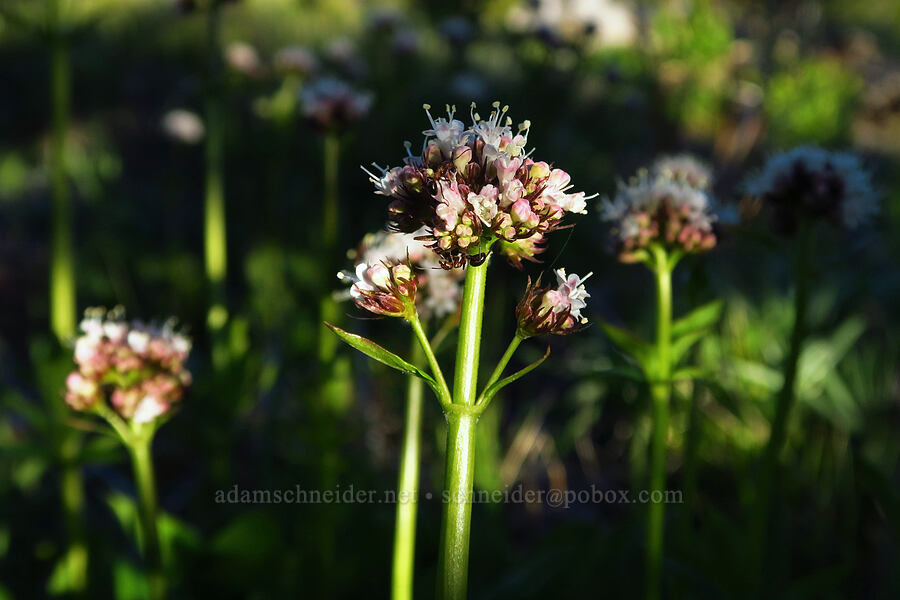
(438, 291)
(544, 309)
(810, 183)
(332, 105)
(473, 186)
(384, 287)
(668, 206)
(138, 370)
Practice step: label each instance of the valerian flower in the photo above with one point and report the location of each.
(385, 287)
(669, 206)
(472, 186)
(332, 105)
(135, 369)
(438, 291)
(808, 183)
(544, 309)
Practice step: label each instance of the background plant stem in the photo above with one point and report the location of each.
(142, 462)
(63, 296)
(660, 391)
(408, 485)
(328, 309)
(214, 232)
(784, 403)
(453, 563)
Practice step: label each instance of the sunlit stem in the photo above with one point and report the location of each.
(422, 338)
(453, 563)
(408, 484)
(214, 231)
(660, 391)
(142, 463)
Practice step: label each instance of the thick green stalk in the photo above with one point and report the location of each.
(214, 228)
(784, 401)
(453, 563)
(142, 462)
(660, 391)
(408, 485)
(459, 477)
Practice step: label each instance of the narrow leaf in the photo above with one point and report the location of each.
(629, 343)
(681, 345)
(386, 357)
(492, 390)
(699, 318)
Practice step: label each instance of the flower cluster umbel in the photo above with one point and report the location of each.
(669, 205)
(544, 309)
(438, 290)
(138, 369)
(810, 183)
(473, 186)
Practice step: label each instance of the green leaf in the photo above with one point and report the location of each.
(681, 345)
(492, 390)
(688, 373)
(698, 319)
(386, 357)
(631, 373)
(629, 343)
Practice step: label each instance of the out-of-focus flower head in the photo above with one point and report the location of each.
(471, 186)
(685, 168)
(243, 58)
(438, 291)
(333, 105)
(669, 206)
(457, 30)
(808, 183)
(545, 309)
(136, 369)
(296, 59)
(183, 126)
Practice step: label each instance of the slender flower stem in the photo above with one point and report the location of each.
(214, 229)
(142, 463)
(785, 399)
(504, 360)
(453, 563)
(660, 391)
(408, 484)
(422, 338)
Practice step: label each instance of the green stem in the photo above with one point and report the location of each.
(328, 308)
(453, 563)
(62, 276)
(660, 391)
(142, 463)
(214, 229)
(72, 492)
(423, 344)
(408, 484)
(504, 360)
(785, 399)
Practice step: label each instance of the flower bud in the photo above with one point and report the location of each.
(555, 311)
(385, 288)
(462, 156)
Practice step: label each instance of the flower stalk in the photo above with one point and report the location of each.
(660, 392)
(139, 448)
(408, 483)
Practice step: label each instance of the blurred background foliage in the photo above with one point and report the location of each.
(608, 86)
